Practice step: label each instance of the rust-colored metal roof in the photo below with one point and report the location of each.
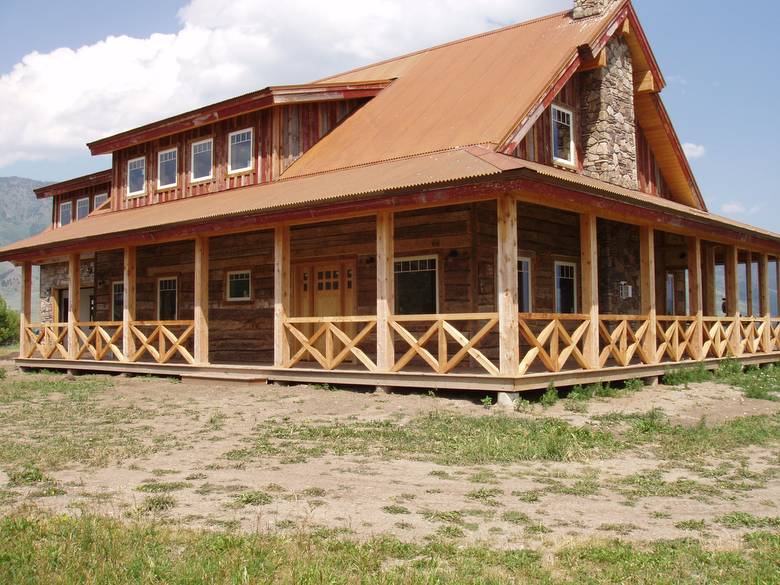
(71, 185)
(472, 91)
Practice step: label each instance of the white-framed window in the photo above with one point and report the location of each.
(202, 160)
(167, 168)
(117, 300)
(565, 287)
(239, 285)
(562, 135)
(100, 199)
(82, 208)
(136, 176)
(167, 298)
(524, 283)
(66, 213)
(416, 285)
(240, 150)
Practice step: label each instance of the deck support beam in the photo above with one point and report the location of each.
(732, 298)
(385, 290)
(74, 290)
(128, 300)
(695, 294)
(201, 309)
(281, 294)
(25, 313)
(508, 307)
(648, 286)
(590, 286)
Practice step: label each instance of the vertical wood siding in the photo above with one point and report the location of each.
(75, 196)
(651, 181)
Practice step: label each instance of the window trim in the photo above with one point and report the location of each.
(232, 171)
(175, 175)
(530, 283)
(95, 204)
(142, 192)
(210, 176)
(69, 203)
(227, 286)
(113, 298)
(436, 272)
(576, 285)
(79, 200)
(176, 280)
(572, 146)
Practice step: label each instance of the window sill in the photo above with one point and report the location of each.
(247, 300)
(136, 195)
(201, 180)
(245, 171)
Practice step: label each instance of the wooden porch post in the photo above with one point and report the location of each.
(765, 307)
(508, 307)
(590, 286)
(24, 316)
(201, 313)
(281, 294)
(74, 289)
(648, 285)
(695, 294)
(732, 298)
(385, 289)
(128, 301)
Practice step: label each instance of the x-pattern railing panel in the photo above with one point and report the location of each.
(623, 337)
(158, 340)
(557, 343)
(100, 340)
(338, 342)
(49, 340)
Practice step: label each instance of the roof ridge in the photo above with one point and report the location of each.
(445, 44)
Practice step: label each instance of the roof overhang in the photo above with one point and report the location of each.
(250, 102)
(71, 185)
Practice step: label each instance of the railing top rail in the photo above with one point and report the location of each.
(337, 319)
(39, 325)
(624, 317)
(445, 317)
(676, 317)
(98, 323)
(178, 323)
(713, 319)
(551, 316)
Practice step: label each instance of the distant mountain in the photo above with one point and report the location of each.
(21, 215)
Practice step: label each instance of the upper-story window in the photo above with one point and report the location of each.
(166, 168)
(563, 135)
(136, 176)
(240, 151)
(202, 160)
(66, 212)
(82, 208)
(100, 199)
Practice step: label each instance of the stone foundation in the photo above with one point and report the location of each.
(55, 277)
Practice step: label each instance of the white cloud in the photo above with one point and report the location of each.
(694, 151)
(739, 208)
(52, 104)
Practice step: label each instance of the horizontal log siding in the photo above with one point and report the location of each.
(299, 127)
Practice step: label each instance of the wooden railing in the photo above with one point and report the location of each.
(100, 340)
(718, 338)
(439, 330)
(161, 340)
(774, 334)
(624, 338)
(48, 340)
(330, 340)
(553, 340)
(675, 338)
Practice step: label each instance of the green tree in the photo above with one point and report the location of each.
(9, 324)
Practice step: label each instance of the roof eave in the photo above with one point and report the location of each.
(75, 184)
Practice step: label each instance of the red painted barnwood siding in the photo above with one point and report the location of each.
(298, 127)
(651, 181)
(75, 196)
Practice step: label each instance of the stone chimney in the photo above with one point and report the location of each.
(585, 8)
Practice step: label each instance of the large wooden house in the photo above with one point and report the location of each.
(494, 213)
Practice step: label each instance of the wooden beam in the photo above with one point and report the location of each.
(281, 294)
(732, 297)
(590, 286)
(648, 287)
(128, 300)
(695, 294)
(644, 82)
(201, 308)
(74, 290)
(508, 305)
(24, 316)
(765, 308)
(385, 290)
(597, 62)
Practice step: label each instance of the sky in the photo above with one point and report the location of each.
(72, 72)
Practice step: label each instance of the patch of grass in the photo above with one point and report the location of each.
(253, 498)
(444, 516)
(313, 492)
(396, 509)
(650, 483)
(550, 396)
(159, 487)
(746, 520)
(633, 386)
(515, 517)
(619, 528)
(27, 475)
(757, 383)
(485, 496)
(696, 525)
(158, 503)
(685, 376)
(528, 496)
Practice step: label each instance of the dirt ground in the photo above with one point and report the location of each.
(193, 428)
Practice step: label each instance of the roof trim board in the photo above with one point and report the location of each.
(76, 184)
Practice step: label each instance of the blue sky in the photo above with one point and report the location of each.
(718, 59)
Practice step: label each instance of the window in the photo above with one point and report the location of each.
(239, 287)
(136, 176)
(201, 160)
(117, 300)
(416, 286)
(166, 299)
(82, 208)
(66, 212)
(166, 168)
(562, 135)
(565, 287)
(240, 150)
(524, 285)
(100, 199)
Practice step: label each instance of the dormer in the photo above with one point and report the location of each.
(75, 199)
